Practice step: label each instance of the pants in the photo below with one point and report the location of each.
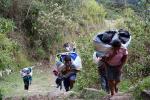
(104, 83)
(67, 84)
(103, 78)
(69, 81)
(59, 82)
(26, 80)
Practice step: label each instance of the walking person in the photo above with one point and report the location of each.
(26, 80)
(26, 74)
(115, 59)
(69, 72)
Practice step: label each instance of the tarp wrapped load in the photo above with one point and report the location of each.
(26, 71)
(102, 41)
(76, 60)
(125, 37)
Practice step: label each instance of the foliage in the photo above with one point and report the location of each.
(142, 85)
(48, 22)
(5, 5)
(21, 60)
(124, 85)
(6, 51)
(40, 53)
(1, 95)
(88, 76)
(11, 54)
(9, 49)
(13, 84)
(92, 12)
(89, 95)
(139, 50)
(6, 25)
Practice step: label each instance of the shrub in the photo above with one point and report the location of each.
(142, 85)
(11, 54)
(138, 49)
(40, 53)
(6, 25)
(88, 77)
(6, 51)
(1, 94)
(92, 12)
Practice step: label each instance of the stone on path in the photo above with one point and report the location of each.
(119, 96)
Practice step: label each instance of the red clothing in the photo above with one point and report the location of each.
(117, 57)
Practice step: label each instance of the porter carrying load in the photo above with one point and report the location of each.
(102, 41)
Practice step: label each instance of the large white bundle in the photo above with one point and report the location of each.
(26, 71)
(102, 42)
(75, 58)
(77, 63)
(124, 37)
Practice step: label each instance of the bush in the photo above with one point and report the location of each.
(11, 54)
(21, 60)
(142, 85)
(138, 62)
(6, 25)
(92, 13)
(40, 53)
(6, 51)
(1, 94)
(4, 6)
(88, 77)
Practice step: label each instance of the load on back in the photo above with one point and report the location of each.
(26, 71)
(102, 41)
(71, 51)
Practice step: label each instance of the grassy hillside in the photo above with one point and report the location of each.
(34, 30)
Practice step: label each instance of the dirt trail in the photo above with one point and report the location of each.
(43, 86)
(119, 96)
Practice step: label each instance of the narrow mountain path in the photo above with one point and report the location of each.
(119, 96)
(43, 84)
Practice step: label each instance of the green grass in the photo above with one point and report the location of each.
(124, 85)
(12, 85)
(91, 95)
(142, 85)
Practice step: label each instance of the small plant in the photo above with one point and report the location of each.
(41, 53)
(1, 94)
(142, 85)
(6, 25)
